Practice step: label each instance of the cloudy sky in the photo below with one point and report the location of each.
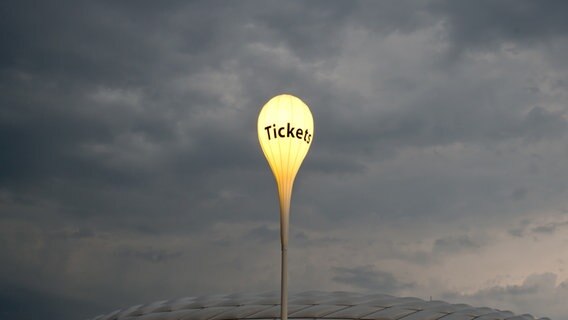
(130, 169)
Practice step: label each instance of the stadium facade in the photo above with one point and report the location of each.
(313, 305)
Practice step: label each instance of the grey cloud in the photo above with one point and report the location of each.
(540, 123)
(435, 119)
(437, 122)
(549, 228)
(149, 254)
(520, 230)
(536, 288)
(417, 257)
(263, 234)
(488, 24)
(74, 233)
(305, 239)
(442, 248)
(516, 232)
(19, 303)
(534, 228)
(54, 148)
(455, 244)
(519, 193)
(368, 278)
(123, 120)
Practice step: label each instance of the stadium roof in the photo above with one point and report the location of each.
(308, 305)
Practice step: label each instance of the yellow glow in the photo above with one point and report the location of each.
(285, 132)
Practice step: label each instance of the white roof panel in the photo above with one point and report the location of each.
(312, 305)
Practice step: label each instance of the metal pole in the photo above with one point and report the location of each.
(284, 286)
(284, 218)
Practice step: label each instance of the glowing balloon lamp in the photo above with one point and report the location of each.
(285, 131)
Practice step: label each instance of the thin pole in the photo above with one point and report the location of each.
(284, 218)
(284, 285)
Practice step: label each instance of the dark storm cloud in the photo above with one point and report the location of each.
(540, 123)
(113, 101)
(20, 303)
(455, 244)
(535, 288)
(516, 232)
(519, 193)
(148, 254)
(520, 230)
(136, 120)
(435, 120)
(266, 234)
(263, 234)
(549, 228)
(76, 233)
(73, 138)
(121, 50)
(529, 228)
(489, 24)
(368, 278)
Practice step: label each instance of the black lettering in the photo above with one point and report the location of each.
(287, 132)
(290, 131)
(280, 132)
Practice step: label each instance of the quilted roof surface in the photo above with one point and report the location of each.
(308, 305)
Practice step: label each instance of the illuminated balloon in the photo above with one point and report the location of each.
(285, 132)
